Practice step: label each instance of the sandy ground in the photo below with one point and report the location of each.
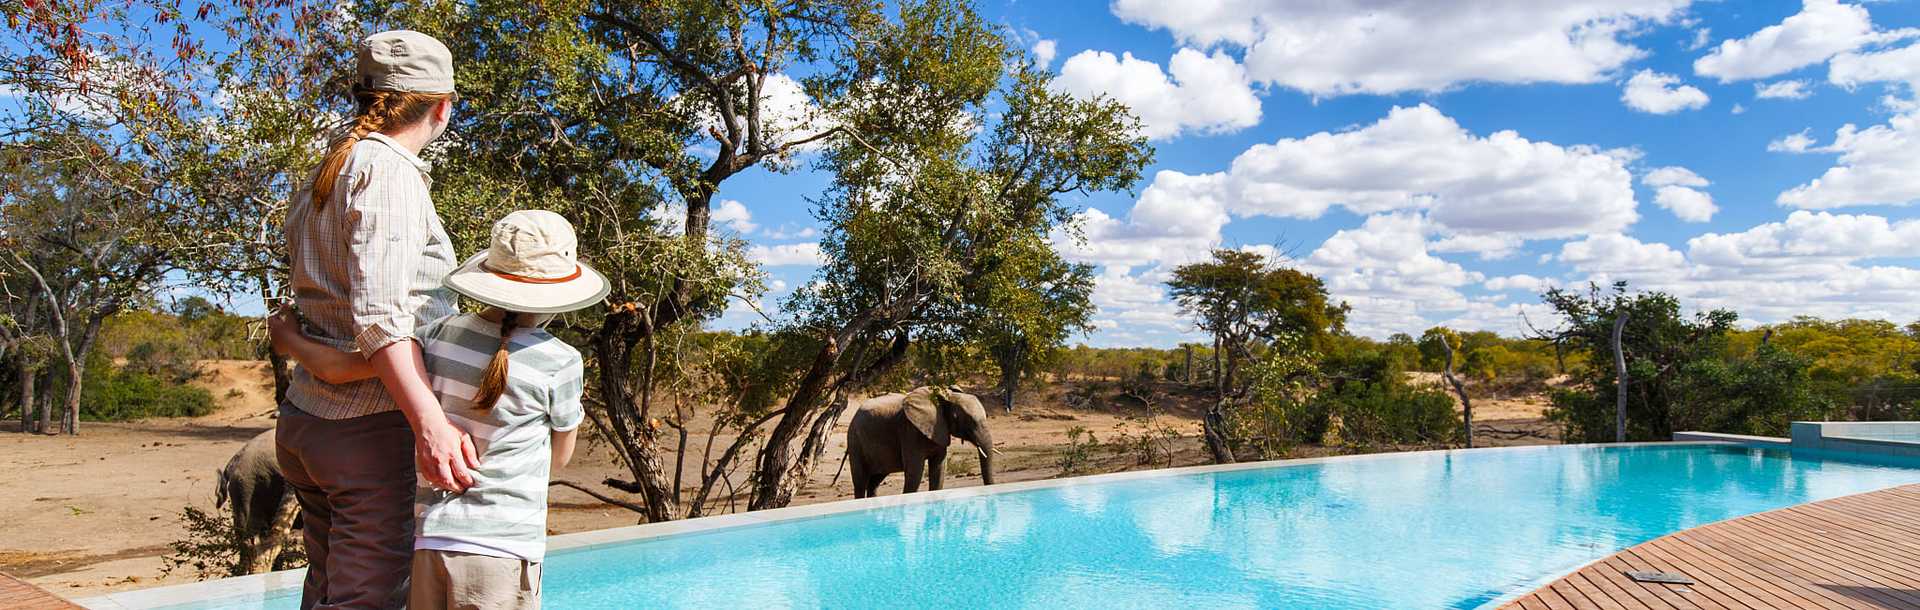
(95, 513)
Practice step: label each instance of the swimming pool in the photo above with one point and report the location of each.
(1449, 529)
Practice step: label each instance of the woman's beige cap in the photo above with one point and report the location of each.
(405, 60)
(531, 267)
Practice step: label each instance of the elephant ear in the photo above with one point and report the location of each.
(922, 409)
(969, 404)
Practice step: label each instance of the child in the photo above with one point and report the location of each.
(510, 385)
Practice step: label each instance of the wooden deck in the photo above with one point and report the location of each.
(16, 594)
(1860, 551)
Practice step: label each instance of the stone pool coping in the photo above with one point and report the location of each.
(264, 584)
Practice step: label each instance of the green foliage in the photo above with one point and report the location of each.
(1360, 396)
(1667, 361)
(112, 393)
(168, 343)
(1239, 296)
(1392, 412)
(1077, 456)
(1760, 394)
(1280, 411)
(1151, 445)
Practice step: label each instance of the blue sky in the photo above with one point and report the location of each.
(1437, 166)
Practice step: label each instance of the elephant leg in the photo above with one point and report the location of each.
(914, 468)
(860, 477)
(936, 469)
(873, 484)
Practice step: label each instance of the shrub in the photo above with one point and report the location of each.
(1078, 455)
(110, 393)
(212, 549)
(1392, 413)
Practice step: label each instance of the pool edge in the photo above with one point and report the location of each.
(262, 584)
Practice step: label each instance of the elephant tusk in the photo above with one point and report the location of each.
(982, 450)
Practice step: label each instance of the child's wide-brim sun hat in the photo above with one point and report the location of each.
(531, 266)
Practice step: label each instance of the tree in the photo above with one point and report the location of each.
(1240, 299)
(952, 174)
(77, 224)
(1658, 346)
(191, 148)
(1029, 308)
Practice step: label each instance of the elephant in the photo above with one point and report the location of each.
(264, 512)
(910, 432)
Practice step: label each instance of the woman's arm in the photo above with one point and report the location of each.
(330, 365)
(442, 454)
(388, 228)
(563, 448)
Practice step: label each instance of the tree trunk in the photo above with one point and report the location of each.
(635, 436)
(70, 418)
(44, 404)
(1219, 389)
(773, 481)
(1215, 426)
(775, 456)
(1620, 387)
(1466, 404)
(1559, 357)
(1189, 366)
(1009, 385)
(27, 400)
(814, 445)
(282, 371)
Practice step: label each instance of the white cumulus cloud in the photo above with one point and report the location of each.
(735, 215)
(1678, 190)
(1043, 52)
(1198, 92)
(1901, 65)
(1384, 269)
(1479, 194)
(1876, 166)
(1822, 29)
(1338, 47)
(1656, 93)
(1785, 90)
(784, 255)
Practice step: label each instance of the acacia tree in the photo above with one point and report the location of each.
(956, 162)
(1248, 304)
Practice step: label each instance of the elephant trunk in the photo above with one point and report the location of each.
(984, 442)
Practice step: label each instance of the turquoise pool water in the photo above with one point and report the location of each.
(1422, 530)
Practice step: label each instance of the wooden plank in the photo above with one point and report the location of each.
(16, 594)
(1860, 551)
(1754, 593)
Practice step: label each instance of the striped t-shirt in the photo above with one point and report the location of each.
(504, 513)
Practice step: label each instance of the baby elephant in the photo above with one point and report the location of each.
(263, 507)
(910, 433)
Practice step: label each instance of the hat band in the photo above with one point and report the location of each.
(533, 280)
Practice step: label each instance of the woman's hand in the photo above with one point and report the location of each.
(443, 454)
(282, 327)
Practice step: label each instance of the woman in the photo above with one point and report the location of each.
(368, 253)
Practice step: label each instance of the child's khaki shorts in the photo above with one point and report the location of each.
(451, 579)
